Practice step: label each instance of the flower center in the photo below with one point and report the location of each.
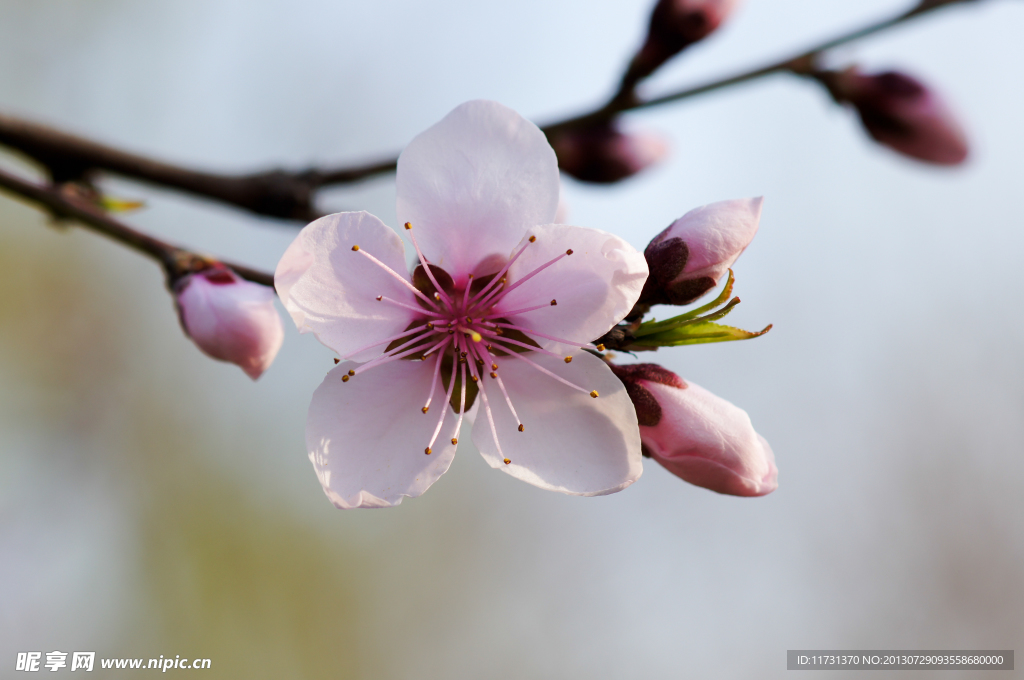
(459, 328)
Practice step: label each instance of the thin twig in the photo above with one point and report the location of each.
(290, 195)
(175, 261)
(799, 64)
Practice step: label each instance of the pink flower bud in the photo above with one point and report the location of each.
(230, 319)
(675, 25)
(901, 113)
(694, 252)
(603, 155)
(697, 436)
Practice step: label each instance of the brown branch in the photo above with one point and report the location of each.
(290, 195)
(276, 193)
(176, 261)
(799, 64)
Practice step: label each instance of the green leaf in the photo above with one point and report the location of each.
(696, 334)
(653, 326)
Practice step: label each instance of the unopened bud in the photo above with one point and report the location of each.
(694, 252)
(602, 154)
(230, 319)
(901, 113)
(697, 436)
(675, 25)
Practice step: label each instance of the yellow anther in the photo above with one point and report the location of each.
(507, 461)
(533, 239)
(430, 326)
(569, 252)
(600, 348)
(428, 450)
(408, 225)
(594, 394)
(337, 360)
(494, 367)
(351, 372)
(425, 409)
(554, 302)
(493, 374)
(437, 296)
(568, 360)
(344, 378)
(462, 354)
(521, 428)
(474, 378)
(454, 441)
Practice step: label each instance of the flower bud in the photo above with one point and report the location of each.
(694, 252)
(697, 436)
(901, 113)
(675, 25)
(230, 319)
(603, 155)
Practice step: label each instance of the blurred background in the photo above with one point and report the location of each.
(154, 502)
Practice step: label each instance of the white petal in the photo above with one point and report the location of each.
(571, 442)
(716, 235)
(332, 291)
(595, 287)
(366, 436)
(473, 183)
(234, 322)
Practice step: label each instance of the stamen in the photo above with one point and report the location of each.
(462, 405)
(444, 411)
(337, 361)
(529, 331)
(490, 419)
(388, 340)
(568, 360)
(382, 298)
(499, 340)
(536, 271)
(426, 267)
(395, 274)
(433, 381)
(500, 276)
(599, 348)
(594, 394)
(547, 372)
(387, 358)
(465, 293)
(514, 312)
(508, 399)
(507, 461)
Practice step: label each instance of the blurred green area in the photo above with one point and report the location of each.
(220, 575)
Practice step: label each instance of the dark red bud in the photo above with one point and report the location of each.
(602, 154)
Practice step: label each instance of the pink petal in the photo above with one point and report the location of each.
(231, 319)
(715, 234)
(366, 436)
(595, 287)
(332, 291)
(571, 442)
(473, 183)
(709, 442)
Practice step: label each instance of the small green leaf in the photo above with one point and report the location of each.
(698, 333)
(653, 326)
(118, 205)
